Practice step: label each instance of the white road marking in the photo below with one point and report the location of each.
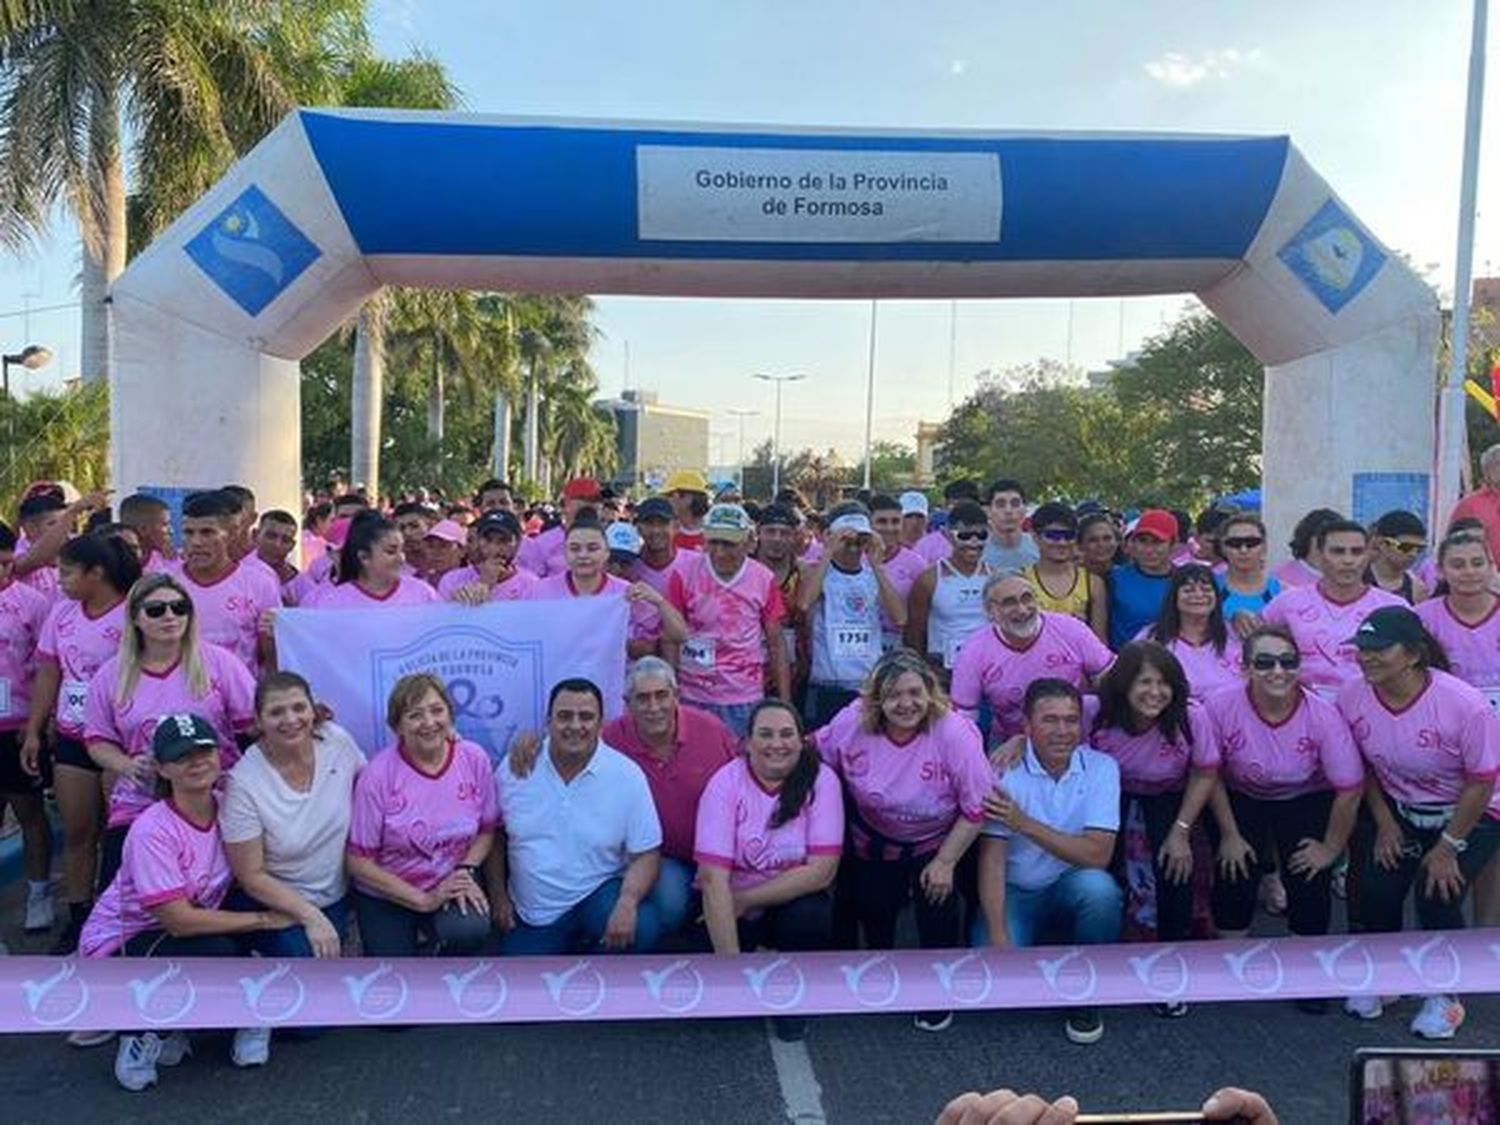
(800, 1092)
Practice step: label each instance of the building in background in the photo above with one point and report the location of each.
(655, 440)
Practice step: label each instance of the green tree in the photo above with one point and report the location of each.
(54, 435)
(892, 467)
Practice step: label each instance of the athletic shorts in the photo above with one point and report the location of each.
(13, 779)
(71, 752)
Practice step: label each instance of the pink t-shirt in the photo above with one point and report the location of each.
(513, 589)
(1207, 669)
(661, 580)
(1322, 629)
(1308, 751)
(230, 609)
(545, 554)
(645, 620)
(166, 857)
(724, 657)
(1150, 763)
(903, 569)
(1293, 573)
(298, 590)
(910, 793)
(314, 547)
(78, 644)
(1473, 650)
(734, 826)
(934, 547)
(23, 612)
(320, 568)
(351, 595)
(229, 706)
(420, 826)
(704, 745)
(43, 580)
(990, 667)
(1425, 753)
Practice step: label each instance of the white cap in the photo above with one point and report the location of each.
(913, 504)
(623, 537)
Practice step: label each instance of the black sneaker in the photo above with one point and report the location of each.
(1084, 1026)
(1313, 1005)
(1173, 1011)
(933, 1021)
(789, 1029)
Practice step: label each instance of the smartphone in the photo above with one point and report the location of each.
(1412, 1087)
(1118, 1118)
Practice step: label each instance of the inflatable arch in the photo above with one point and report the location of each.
(210, 321)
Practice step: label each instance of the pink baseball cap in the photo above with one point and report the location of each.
(448, 531)
(337, 532)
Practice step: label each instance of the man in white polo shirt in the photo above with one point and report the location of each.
(1044, 857)
(581, 841)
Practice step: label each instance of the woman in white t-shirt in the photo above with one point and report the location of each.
(285, 820)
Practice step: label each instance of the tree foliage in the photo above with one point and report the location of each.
(58, 435)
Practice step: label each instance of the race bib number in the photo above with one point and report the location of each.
(699, 652)
(951, 648)
(4, 696)
(70, 702)
(851, 641)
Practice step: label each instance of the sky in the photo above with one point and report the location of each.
(1371, 93)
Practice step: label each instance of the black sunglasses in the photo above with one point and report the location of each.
(971, 536)
(1265, 661)
(179, 608)
(1244, 543)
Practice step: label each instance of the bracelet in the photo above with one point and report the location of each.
(1184, 825)
(1458, 846)
(473, 869)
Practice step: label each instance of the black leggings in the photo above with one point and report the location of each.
(880, 889)
(111, 851)
(1383, 893)
(804, 925)
(1174, 901)
(1287, 822)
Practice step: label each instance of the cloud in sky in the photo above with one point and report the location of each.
(1178, 71)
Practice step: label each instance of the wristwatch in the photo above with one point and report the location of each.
(1459, 846)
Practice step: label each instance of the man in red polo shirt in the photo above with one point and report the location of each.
(1483, 504)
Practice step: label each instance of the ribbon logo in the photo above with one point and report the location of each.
(59, 999)
(779, 985)
(678, 988)
(381, 994)
(1164, 972)
(1434, 968)
(884, 981)
(1259, 968)
(274, 997)
(165, 998)
(1351, 975)
(475, 994)
(577, 991)
(1070, 981)
(967, 980)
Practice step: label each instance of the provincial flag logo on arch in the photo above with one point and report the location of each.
(252, 251)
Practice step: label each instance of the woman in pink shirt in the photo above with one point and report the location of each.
(916, 777)
(1292, 776)
(1192, 628)
(769, 834)
(370, 575)
(161, 669)
(81, 632)
(425, 814)
(1432, 745)
(166, 901)
(1169, 761)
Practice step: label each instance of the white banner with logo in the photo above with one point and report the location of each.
(499, 661)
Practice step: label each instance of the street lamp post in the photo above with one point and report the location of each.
(741, 415)
(776, 428)
(32, 357)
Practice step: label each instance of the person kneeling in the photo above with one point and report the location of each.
(1044, 856)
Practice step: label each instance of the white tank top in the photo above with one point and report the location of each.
(957, 611)
(846, 628)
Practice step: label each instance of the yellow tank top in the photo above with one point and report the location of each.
(1076, 602)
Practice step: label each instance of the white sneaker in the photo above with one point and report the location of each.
(135, 1061)
(174, 1048)
(252, 1046)
(1439, 1018)
(1364, 1007)
(39, 913)
(90, 1038)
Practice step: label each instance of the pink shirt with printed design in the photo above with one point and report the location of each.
(645, 620)
(1150, 763)
(229, 609)
(1309, 751)
(724, 659)
(1322, 629)
(734, 826)
(351, 595)
(513, 589)
(1473, 650)
(78, 644)
(23, 612)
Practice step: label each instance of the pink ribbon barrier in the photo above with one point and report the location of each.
(51, 994)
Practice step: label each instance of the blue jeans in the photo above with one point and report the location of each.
(735, 716)
(581, 929)
(292, 941)
(673, 894)
(1084, 906)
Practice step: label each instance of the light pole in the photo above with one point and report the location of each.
(870, 396)
(33, 357)
(741, 415)
(776, 428)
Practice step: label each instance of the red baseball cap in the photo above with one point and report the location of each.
(581, 488)
(1156, 522)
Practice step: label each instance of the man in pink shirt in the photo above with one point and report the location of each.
(1322, 617)
(734, 615)
(1483, 504)
(229, 596)
(913, 518)
(274, 540)
(935, 545)
(151, 520)
(660, 557)
(544, 555)
(903, 566)
(495, 576)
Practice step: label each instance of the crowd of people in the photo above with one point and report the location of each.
(1027, 723)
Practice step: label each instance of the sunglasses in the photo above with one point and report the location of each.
(1405, 548)
(971, 536)
(156, 610)
(1265, 661)
(1244, 543)
(1057, 534)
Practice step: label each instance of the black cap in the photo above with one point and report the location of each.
(177, 736)
(499, 521)
(779, 515)
(1389, 625)
(1400, 522)
(654, 508)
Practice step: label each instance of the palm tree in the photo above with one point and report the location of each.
(191, 83)
(577, 438)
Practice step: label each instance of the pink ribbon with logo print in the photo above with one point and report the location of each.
(50, 994)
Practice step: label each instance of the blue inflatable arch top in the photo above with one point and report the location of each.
(210, 321)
